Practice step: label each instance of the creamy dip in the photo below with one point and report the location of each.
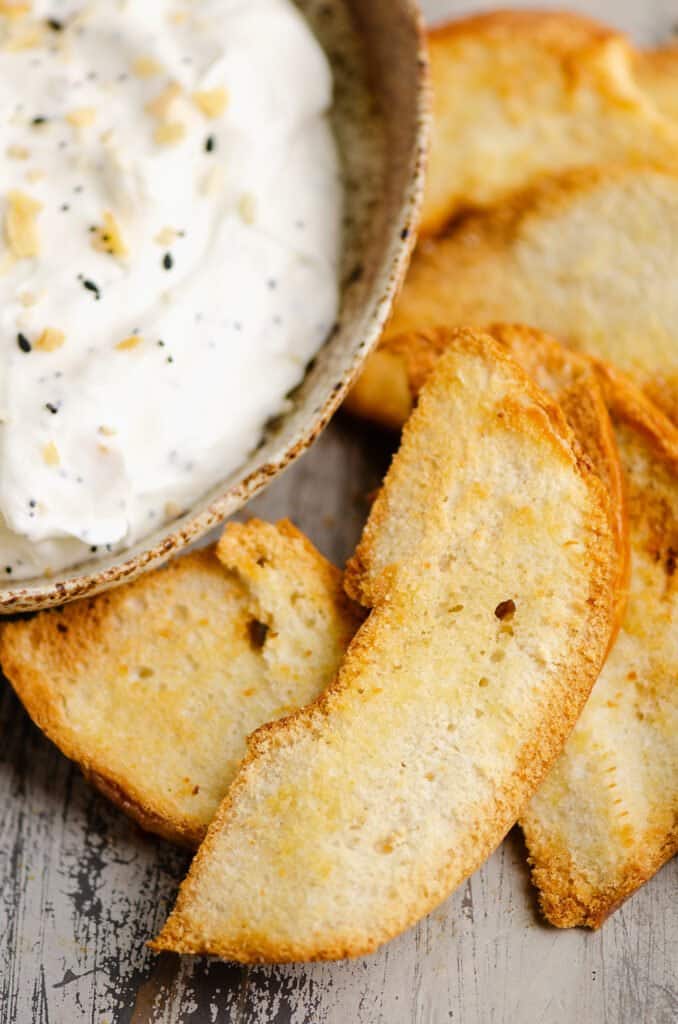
(171, 205)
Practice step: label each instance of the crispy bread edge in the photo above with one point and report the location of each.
(242, 541)
(564, 895)
(537, 756)
(563, 32)
(411, 357)
(81, 619)
(566, 28)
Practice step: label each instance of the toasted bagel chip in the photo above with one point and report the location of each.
(606, 818)
(521, 94)
(591, 257)
(154, 687)
(488, 563)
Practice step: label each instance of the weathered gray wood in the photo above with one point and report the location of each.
(81, 888)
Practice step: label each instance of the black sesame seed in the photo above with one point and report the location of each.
(92, 287)
(167, 261)
(8, 569)
(65, 208)
(39, 120)
(23, 343)
(161, 343)
(51, 408)
(55, 24)
(405, 233)
(210, 144)
(94, 548)
(170, 359)
(32, 503)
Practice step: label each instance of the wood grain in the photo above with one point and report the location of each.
(81, 888)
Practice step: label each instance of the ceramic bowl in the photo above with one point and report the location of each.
(377, 52)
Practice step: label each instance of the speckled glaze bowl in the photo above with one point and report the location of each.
(381, 116)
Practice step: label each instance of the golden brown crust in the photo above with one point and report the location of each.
(245, 547)
(183, 833)
(522, 94)
(570, 377)
(276, 748)
(574, 381)
(657, 73)
(565, 30)
(566, 255)
(76, 670)
(567, 899)
(581, 885)
(85, 623)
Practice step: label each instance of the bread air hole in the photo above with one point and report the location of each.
(257, 632)
(505, 610)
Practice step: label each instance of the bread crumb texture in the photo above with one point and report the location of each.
(354, 817)
(521, 94)
(154, 687)
(606, 818)
(395, 373)
(590, 257)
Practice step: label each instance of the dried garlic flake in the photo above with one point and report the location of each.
(21, 228)
(108, 238)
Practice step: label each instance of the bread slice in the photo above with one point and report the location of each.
(592, 258)
(395, 373)
(153, 688)
(520, 94)
(656, 71)
(606, 818)
(492, 609)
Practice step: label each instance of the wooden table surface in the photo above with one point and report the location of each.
(81, 888)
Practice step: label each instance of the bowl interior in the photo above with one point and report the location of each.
(380, 119)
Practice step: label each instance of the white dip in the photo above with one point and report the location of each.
(170, 207)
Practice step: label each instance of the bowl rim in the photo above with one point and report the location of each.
(397, 251)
